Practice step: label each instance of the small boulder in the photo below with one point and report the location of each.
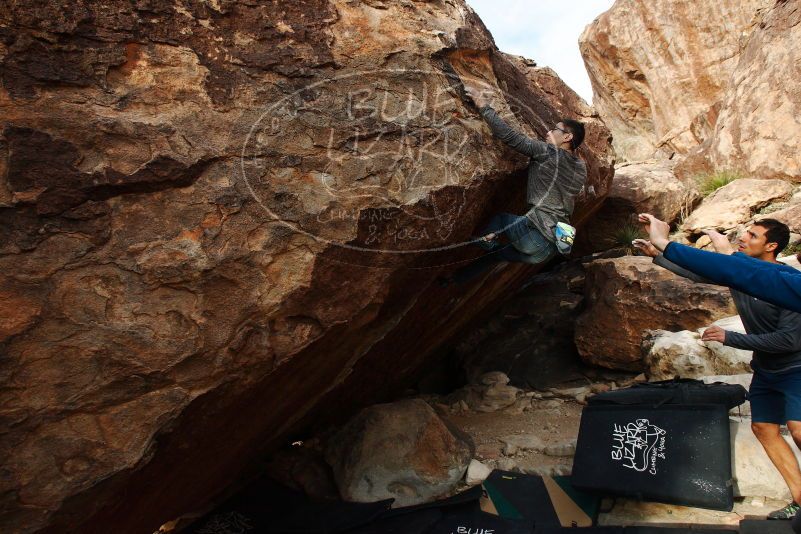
(401, 450)
(549, 404)
(508, 464)
(523, 441)
(494, 378)
(567, 448)
(629, 295)
(735, 203)
(668, 354)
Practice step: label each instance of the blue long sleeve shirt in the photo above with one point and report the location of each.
(779, 285)
(772, 333)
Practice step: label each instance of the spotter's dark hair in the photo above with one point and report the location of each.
(776, 232)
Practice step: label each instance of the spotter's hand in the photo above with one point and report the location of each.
(658, 231)
(645, 246)
(714, 333)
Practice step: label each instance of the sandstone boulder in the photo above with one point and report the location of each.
(756, 131)
(705, 80)
(652, 187)
(658, 69)
(491, 394)
(477, 473)
(627, 296)
(213, 218)
(735, 203)
(669, 354)
(527, 442)
(401, 450)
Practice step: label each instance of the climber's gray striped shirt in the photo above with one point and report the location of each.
(555, 176)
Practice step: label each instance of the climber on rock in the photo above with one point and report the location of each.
(556, 175)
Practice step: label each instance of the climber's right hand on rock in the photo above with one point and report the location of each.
(476, 95)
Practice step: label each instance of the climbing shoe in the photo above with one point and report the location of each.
(486, 244)
(788, 512)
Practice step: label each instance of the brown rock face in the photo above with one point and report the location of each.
(660, 69)
(735, 203)
(757, 130)
(706, 80)
(219, 224)
(629, 295)
(642, 187)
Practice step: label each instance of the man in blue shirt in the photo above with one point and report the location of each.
(774, 334)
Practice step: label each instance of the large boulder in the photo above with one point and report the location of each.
(220, 223)
(756, 130)
(641, 187)
(701, 79)
(735, 203)
(627, 296)
(659, 69)
(401, 450)
(489, 393)
(668, 354)
(652, 187)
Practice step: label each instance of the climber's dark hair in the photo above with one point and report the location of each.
(776, 232)
(577, 129)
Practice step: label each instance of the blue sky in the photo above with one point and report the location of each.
(546, 31)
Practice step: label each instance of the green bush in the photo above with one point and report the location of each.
(623, 236)
(709, 183)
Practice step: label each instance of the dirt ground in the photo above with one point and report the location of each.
(552, 424)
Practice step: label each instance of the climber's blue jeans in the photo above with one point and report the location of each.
(526, 245)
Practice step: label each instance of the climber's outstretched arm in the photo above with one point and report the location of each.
(519, 141)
